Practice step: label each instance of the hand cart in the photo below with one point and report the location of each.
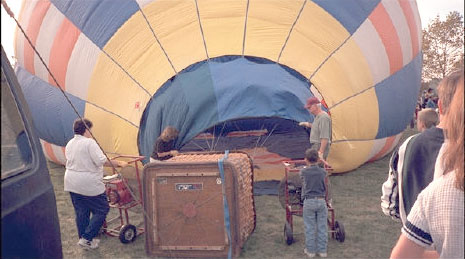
(122, 198)
(290, 197)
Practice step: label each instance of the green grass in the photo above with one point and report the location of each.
(356, 200)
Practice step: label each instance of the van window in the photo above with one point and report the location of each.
(16, 147)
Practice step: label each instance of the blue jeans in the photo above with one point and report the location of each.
(88, 228)
(315, 216)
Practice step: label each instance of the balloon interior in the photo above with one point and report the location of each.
(231, 74)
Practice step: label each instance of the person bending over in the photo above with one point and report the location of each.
(164, 145)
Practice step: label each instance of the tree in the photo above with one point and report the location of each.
(443, 46)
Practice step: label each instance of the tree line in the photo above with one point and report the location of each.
(443, 47)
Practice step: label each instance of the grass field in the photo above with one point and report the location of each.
(356, 200)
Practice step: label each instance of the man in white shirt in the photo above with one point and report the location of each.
(83, 181)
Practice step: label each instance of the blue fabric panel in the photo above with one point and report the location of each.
(187, 103)
(198, 88)
(258, 90)
(207, 93)
(52, 114)
(98, 20)
(350, 13)
(397, 98)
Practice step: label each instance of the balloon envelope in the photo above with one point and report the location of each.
(135, 67)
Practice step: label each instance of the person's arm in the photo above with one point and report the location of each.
(323, 144)
(115, 163)
(305, 124)
(390, 191)
(99, 157)
(415, 241)
(328, 196)
(164, 149)
(168, 153)
(325, 134)
(405, 248)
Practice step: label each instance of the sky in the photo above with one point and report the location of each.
(428, 9)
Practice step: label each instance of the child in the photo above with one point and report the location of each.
(315, 212)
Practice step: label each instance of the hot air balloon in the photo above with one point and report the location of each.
(136, 66)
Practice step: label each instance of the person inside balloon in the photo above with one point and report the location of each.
(163, 149)
(320, 134)
(84, 182)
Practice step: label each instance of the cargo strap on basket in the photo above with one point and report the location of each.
(225, 201)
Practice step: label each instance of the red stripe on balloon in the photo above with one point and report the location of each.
(32, 31)
(386, 148)
(49, 151)
(408, 13)
(60, 54)
(388, 34)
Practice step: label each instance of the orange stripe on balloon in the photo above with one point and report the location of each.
(62, 47)
(387, 146)
(408, 13)
(388, 34)
(32, 31)
(50, 153)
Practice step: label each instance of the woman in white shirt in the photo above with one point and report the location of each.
(83, 181)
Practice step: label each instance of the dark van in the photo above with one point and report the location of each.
(30, 227)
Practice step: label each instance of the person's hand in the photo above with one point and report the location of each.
(305, 124)
(122, 164)
(330, 202)
(174, 152)
(320, 155)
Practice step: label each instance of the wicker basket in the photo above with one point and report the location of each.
(183, 198)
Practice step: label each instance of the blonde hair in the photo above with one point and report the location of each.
(428, 117)
(453, 158)
(446, 90)
(169, 133)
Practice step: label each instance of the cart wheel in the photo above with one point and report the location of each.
(288, 237)
(127, 233)
(340, 233)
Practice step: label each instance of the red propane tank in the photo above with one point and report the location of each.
(117, 192)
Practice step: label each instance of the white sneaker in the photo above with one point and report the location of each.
(308, 253)
(323, 254)
(94, 241)
(86, 244)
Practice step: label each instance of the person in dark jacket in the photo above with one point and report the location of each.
(412, 165)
